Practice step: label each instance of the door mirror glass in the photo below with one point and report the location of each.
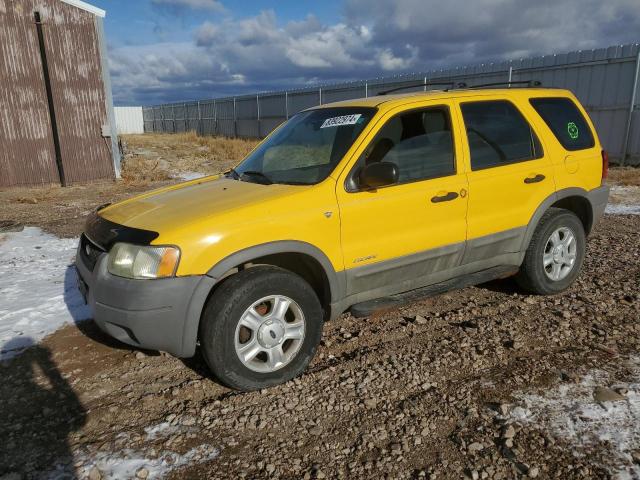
(379, 174)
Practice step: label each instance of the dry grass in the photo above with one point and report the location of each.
(143, 171)
(153, 157)
(627, 176)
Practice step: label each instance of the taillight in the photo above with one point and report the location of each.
(605, 165)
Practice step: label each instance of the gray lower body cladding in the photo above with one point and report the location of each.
(598, 198)
(160, 314)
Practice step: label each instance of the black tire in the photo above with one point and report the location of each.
(225, 309)
(532, 276)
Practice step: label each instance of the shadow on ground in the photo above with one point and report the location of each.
(39, 412)
(505, 285)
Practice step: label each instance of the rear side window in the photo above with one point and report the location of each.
(565, 121)
(498, 134)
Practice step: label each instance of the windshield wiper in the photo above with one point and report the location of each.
(255, 173)
(233, 174)
(294, 182)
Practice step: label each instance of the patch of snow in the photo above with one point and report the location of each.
(126, 463)
(186, 176)
(571, 413)
(623, 200)
(161, 430)
(622, 209)
(623, 189)
(38, 291)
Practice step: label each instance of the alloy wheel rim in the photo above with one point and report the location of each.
(560, 253)
(270, 333)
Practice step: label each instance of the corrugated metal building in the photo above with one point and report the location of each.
(56, 111)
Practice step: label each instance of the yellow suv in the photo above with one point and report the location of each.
(354, 205)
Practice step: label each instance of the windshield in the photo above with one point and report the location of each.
(306, 149)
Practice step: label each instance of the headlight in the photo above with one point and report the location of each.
(134, 261)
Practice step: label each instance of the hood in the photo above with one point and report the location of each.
(181, 204)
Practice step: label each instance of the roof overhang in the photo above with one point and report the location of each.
(85, 6)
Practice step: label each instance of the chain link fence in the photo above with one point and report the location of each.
(605, 80)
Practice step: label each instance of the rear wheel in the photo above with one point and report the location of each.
(555, 255)
(261, 328)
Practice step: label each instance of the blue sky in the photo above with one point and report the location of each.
(173, 50)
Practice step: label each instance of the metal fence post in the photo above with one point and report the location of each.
(235, 119)
(258, 112)
(215, 118)
(632, 105)
(186, 118)
(286, 105)
(366, 89)
(199, 124)
(510, 75)
(320, 94)
(425, 84)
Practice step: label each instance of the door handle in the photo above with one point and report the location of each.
(538, 178)
(444, 198)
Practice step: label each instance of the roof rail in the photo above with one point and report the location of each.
(425, 84)
(525, 83)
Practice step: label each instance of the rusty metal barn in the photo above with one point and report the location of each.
(56, 110)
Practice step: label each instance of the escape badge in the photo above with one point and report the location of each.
(572, 129)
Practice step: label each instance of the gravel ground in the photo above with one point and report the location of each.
(475, 383)
(483, 382)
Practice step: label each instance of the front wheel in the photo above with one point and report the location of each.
(261, 328)
(555, 255)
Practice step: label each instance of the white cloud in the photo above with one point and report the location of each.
(233, 55)
(388, 61)
(193, 4)
(460, 31)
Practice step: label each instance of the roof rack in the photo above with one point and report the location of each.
(526, 83)
(425, 84)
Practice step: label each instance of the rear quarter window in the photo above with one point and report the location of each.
(565, 121)
(498, 134)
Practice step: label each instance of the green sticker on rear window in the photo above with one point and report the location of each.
(572, 129)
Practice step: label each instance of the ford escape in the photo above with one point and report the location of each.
(351, 205)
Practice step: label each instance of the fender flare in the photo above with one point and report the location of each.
(550, 200)
(282, 246)
(336, 280)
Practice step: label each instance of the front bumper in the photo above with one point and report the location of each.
(160, 314)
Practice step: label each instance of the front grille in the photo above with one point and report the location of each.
(89, 252)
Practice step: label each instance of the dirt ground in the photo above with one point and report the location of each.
(625, 176)
(463, 385)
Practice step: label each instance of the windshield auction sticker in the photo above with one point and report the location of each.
(343, 120)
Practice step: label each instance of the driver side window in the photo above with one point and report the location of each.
(419, 143)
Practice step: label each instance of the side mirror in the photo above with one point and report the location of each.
(378, 174)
